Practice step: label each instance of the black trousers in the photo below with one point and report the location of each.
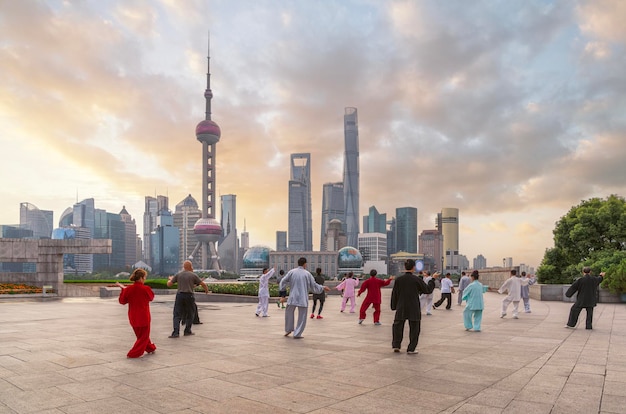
(321, 298)
(574, 312)
(447, 296)
(397, 331)
(184, 311)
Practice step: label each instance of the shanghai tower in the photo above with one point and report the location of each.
(351, 176)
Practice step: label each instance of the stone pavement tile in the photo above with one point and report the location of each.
(228, 366)
(95, 389)
(107, 406)
(556, 370)
(373, 376)
(493, 397)
(38, 400)
(368, 404)
(617, 364)
(548, 381)
(538, 394)
(528, 407)
(130, 366)
(91, 372)
(477, 409)
(290, 399)
(613, 404)
(589, 369)
(162, 400)
(432, 400)
(36, 381)
(255, 379)
(215, 389)
(459, 389)
(586, 379)
(330, 389)
(617, 376)
(614, 388)
(517, 379)
(576, 398)
(237, 405)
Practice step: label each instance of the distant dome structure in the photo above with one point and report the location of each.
(257, 257)
(188, 201)
(208, 131)
(349, 258)
(207, 230)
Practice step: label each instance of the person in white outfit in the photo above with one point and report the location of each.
(264, 292)
(514, 286)
(426, 300)
(300, 282)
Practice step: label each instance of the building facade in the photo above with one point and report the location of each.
(332, 208)
(431, 246)
(229, 242)
(186, 214)
(281, 241)
(40, 222)
(480, 262)
(374, 222)
(351, 176)
(450, 231)
(406, 229)
(286, 261)
(300, 229)
(335, 238)
(152, 209)
(165, 245)
(373, 246)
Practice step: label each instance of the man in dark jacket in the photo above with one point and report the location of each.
(405, 300)
(586, 286)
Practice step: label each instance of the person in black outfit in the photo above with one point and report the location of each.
(405, 300)
(586, 287)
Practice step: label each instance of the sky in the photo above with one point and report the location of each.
(512, 112)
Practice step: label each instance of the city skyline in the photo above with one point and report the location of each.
(512, 113)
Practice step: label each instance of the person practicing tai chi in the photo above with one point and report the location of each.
(321, 298)
(348, 286)
(138, 297)
(514, 286)
(473, 296)
(525, 292)
(586, 286)
(264, 292)
(300, 281)
(447, 289)
(463, 282)
(373, 297)
(282, 294)
(405, 300)
(185, 302)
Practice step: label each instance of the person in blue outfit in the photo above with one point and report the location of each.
(474, 303)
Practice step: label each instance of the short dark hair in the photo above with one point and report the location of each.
(318, 270)
(475, 274)
(373, 272)
(282, 272)
(586, 269)
(264, 270)
(523, 273)
(462, 273)
(513, 272)
(447, 274)
(350, 274)
(409, 264)
(302, 261)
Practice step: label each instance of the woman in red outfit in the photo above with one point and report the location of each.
(138, 297)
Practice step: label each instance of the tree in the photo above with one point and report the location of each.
(588, 235)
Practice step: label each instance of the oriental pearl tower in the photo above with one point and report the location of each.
(207, 229)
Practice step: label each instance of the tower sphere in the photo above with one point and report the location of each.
(208, 131)
(207, 230)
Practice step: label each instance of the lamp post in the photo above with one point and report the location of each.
(504, 262)
(442, 265)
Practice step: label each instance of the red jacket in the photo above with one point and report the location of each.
(373, 286)
(138, 297)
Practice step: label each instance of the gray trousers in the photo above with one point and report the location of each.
(289, 319)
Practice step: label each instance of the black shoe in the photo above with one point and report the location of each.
(197, 323)
(173, 336)
(188, 333)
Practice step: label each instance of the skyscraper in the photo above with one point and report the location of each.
(40, 222)
(208, 229)
(281, 241)
(186, 214)
(130, 238)
(406, 229)
(165, 245)
(229, 242)
(375, 222)
(351, 176)
(300, 230)
(332, 208)
(152, 208)
(450, 231)
(431, 246)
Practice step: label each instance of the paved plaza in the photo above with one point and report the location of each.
(69, 356)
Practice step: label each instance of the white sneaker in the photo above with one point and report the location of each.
(361, 321)
(515, 317)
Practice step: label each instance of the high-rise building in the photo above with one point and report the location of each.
(332, 208)
(110, 226)
(480, 262)
(335, 236)
(300, 229)
(406, 229)
(229, 242)
(85, 215)
(186, 214)
(40, 222)
(281, 241)
(391, 237)
(153, 207)
(165, 245)
(431, 246)
(351, 176)
(373, 246)
(208, 229)
(75, 263)
(450, 230)
(130, 238)
(375, 222)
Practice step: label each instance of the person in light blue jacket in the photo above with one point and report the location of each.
(473, 296)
